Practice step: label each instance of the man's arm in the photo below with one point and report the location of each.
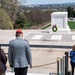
(29, 55)
(10, 55)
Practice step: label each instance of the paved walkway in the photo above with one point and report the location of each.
(51, 37)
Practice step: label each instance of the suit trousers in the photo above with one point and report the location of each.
(21, 71)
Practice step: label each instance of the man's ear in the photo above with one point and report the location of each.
(22, 35)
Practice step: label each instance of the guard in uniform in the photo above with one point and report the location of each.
(19, 54)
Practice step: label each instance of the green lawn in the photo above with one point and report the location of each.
(28, 25)
(46, 26)
(71, 24)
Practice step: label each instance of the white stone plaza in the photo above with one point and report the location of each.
(41, 55)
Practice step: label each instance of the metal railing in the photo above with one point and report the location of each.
(63, 65)
(45, 46)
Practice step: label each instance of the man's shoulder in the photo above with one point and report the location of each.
(26, 40)
(11, 41)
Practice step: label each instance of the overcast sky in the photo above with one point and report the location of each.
(45, 1)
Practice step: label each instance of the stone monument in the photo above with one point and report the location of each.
(60, 19)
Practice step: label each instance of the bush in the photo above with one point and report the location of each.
(5, 22)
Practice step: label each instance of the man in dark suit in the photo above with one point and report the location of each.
(19, 54)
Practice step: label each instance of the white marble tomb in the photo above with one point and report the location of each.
(60, 19)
